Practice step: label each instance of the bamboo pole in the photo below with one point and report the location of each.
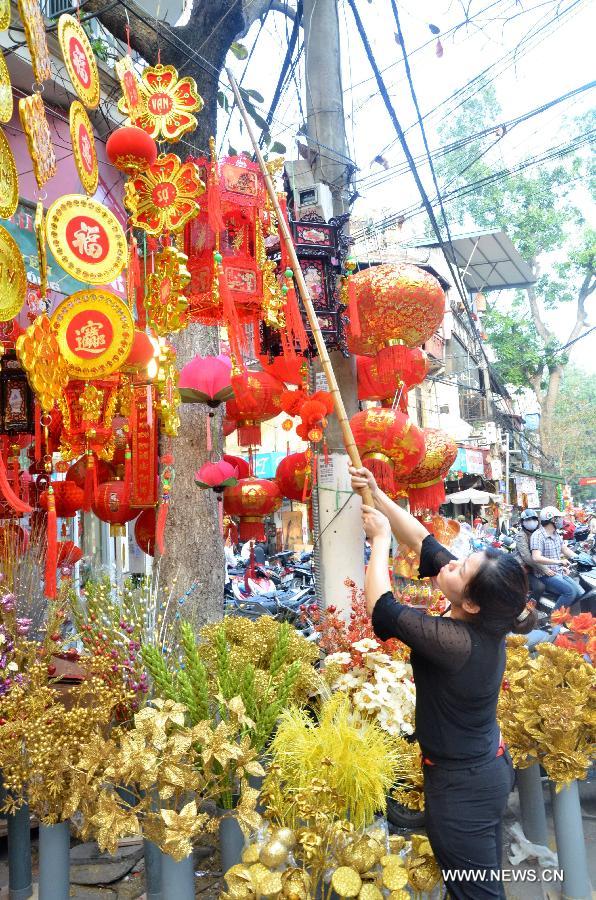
(338, 403)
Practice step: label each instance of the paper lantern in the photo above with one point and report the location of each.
(257, 397)
(206, 380)
(68, 496)
(294, 477)
(400, 303)
(145, 531)
(406, 368)
(131, 149)
(141, 352)
(77, 471)
(391, 446)
(239, 463)
(426, 489)
(217, 476)
(250, 500)
(112, 504)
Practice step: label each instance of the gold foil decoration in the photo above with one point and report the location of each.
(9, 180)
(39, 353)
(40, 239)
(165, 302)
(4, 14)
(13, 278)
(165, 197)
(167, 103)
(79, 60)
(35, 32)
(83, 146)
(39, 139)
(6, 99)
(346, 882)
(131, 101)
(86, 238)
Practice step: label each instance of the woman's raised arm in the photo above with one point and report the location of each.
(404, 526)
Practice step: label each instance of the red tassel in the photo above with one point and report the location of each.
(128, 470)
(427, 496)
(236, 334)
(251, 468)
(52, 547)
(382, 468)
(37, 414)
(214, 215)
(160, 527)
(90, 481)
(249, 434)
(353, 309)
(8, 493)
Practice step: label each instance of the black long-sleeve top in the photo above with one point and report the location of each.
(458, 669)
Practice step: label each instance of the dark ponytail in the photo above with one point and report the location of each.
(500, 589)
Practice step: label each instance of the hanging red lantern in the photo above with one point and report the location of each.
(206, 380)
(426, 489)
(399, 303)
(294, 477)
(112, 504)
(287, 369)
(217, 476)
(141, 352)
(390, 444)
(131, 150)
(250, 500)
(145, 531)
(257, 397)
(77, 471)
(69, 499)
(239, 463)
(68, 554)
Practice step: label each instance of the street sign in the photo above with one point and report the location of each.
(589, 479)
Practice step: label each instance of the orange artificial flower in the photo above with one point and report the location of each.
(561, 616)
(585, 623)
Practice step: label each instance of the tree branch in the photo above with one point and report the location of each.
(143, 37)
(541, 328)
(588, 286)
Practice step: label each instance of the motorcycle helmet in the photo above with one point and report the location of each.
(529, 520)
(551, 514)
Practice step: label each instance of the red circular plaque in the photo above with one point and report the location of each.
(87, 239)
(89, 334)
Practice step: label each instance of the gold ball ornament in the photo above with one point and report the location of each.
(361, 855)
(250, 854)
(346, 882)
(286, 836)
(395, 876)
(274, 854)
(370, 892)
(295, 884)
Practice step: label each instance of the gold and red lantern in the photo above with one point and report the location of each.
(87, 416)
(131, 149)
(400, 303)
(250, 500)
(257, 397)
(294, 476)
(390, 444)
(112, 504)
(68, 496)
(426, 488)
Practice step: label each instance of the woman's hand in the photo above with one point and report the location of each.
(376, 525)
(362, 478)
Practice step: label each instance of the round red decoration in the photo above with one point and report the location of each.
(294, 477)
(391, 446)
(112, 504)
(141, 353)
(257, 397)
(239, 463)
(250, 500)
(145, 531)
(68, 496)
(425, 483)
(131, 149)
(77, 471)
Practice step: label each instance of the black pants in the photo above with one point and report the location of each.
(464, 809)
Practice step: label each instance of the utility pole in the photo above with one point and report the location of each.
(339, 549)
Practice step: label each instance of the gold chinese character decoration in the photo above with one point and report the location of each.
(168, 395)
(80, 60)
(167, 102)
(35, 32)
(165, 303)
(39, 353)
(39, 139)
(165, 197)
(86, 238)
(83, 146)
(6, 100)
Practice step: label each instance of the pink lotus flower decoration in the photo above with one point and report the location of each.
(216, 476)
(206, 380)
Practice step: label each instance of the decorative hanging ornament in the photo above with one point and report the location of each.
(390, 444)
(35, 33)
(13, 277)
(250, 500)
(165, 303)
(426, 489)
(131, 150)
(294, 476)
(217, 476)
(39, 353)
(95, 331)
(257, 398)
(39, 139)
(9, 180)
(39, 226)
(79, 60)
(145, 531)
(131, 102)
(6, 99)
(83, 146)
(164, 197)
(166, 105)
(86, 239)
(4, 14)
(68, 497)
(206, 380)
(112, 504)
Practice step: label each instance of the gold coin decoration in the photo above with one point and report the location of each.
(79, 60)
(40, 356)
(35, 33)
(39, 139)
(95, 331)
(13, 277)
(6, 102)
(86, 238)
(83, 145)
(9, 180)
(165, 303)
(4, 14)
(346, 882)
(40, 239)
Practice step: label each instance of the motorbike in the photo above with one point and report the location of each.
(583, 570)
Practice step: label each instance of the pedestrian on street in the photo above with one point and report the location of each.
(458, 662)
(549, 549)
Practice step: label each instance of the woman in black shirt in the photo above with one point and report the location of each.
(458, 662)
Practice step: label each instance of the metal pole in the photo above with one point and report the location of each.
(153, 882)
(19, 854)
(178, 878)
(507, 469)
(571, 844)
(54, 861)
(531, 805)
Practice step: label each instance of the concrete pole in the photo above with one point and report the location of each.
(571, 843)
(531, 805)
(339, 551)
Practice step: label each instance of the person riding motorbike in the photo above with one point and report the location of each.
(530, 522)
(548, 549)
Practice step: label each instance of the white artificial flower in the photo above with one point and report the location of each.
(376, 658)
(348, 682)
(340, 658)
(12, 667)
(366, 645)
(367, 698)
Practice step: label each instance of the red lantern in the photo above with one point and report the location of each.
(391, 446)
(294, 477)
(112, 504)
(68, 554)
(426, 489)
(250, 500)
(145, 531)
(257, 397)
(68, 496)
(396, 303)
(77, 471)
(206, 380)
(217, 476)
(141, 353)
(131, 149)
(239, 463)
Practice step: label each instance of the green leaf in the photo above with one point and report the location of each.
(278, 147)
(255, 95)
(222, 101)
(255, 116)
(239, 50)
(266, 138)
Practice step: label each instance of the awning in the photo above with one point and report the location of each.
(471, 495)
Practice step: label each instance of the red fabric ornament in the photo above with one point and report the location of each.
(112, 504)
(257, 398)
(391, 446)
(288, 370)
(145, 531)
(239, 463)
(426, 489)
(250, 500)
(294, 477)
(68, 554)
(87, 472)
(51, 546)
(291, 401)
(68, 499)
(217, 476)
(141, 353)
(399, 302)
(229, 426)
(131, 150)
(206, 380)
